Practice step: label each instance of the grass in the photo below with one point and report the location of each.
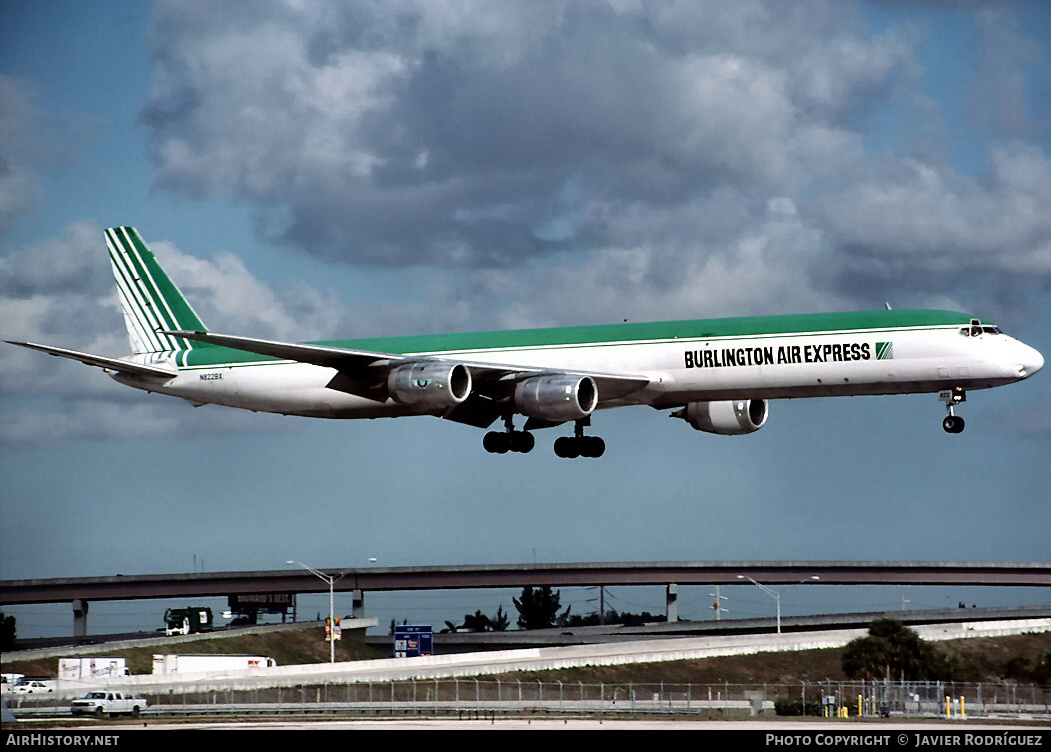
(984, 659)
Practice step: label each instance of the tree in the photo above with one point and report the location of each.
(944, 665)
(1018, 668)
(538, 608)
(905, 652)
(893, 651)
(479, 622)
(500, 622)
(865, 658)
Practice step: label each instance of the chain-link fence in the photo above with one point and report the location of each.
(828, 699)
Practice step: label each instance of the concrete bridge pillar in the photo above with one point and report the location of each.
(80, 617)
(357, 604)
(672, 595)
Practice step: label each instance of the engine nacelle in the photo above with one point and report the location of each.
(727, 418)
(556, 398)
(430, 385)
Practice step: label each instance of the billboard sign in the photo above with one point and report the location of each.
(411, 641)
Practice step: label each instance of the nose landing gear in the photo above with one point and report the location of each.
(952, 397)
(953, 424)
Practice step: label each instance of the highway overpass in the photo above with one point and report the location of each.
(79, 591)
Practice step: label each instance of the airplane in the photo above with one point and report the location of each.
(718, 375)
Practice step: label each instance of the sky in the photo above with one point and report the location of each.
(309, 170)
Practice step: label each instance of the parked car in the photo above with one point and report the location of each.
(34, 686)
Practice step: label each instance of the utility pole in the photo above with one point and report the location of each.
(717, 605)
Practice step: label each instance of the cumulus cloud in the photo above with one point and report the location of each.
(228, 297)
(546, 143)
(61, 292)
(446, 134)
(1000, 98)
(19, 119)
(935, 227)
(58, 291)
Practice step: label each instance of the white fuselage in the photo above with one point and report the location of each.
(769, 366)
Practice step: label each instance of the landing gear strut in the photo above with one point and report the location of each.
(952, 397)
(508, 440)
(579, 445)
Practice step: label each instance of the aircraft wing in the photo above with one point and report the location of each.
(492, 378)
(110, 364)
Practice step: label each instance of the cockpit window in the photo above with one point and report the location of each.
(977, 329)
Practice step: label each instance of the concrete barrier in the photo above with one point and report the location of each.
(531, 659)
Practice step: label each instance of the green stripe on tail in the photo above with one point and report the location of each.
(148, 297)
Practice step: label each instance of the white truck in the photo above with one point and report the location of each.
(108, 702)
(86, 669)
(185, 664)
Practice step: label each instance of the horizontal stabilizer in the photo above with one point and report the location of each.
(318, 355)
(112, 364)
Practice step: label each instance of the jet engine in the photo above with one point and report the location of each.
(430, 385)
(728, 418)
(556, 398)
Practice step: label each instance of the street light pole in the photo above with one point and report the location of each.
(775, 593)
(331, 607)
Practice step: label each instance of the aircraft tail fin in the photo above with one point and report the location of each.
(150, 300)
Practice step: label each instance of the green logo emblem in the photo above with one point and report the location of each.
(884, 351)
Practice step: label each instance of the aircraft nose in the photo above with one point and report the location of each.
(1030, 361)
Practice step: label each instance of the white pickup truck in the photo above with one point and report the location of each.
(108, 702)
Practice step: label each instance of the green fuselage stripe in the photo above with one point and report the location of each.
(613, 334)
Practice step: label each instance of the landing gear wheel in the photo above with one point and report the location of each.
(571, 447)
(496, 442)
(502, 442)
(522, 442)
(591, 446)
(579, 445)
(952, 424)
(567, 447)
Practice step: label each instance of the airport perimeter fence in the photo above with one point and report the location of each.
(490, 697)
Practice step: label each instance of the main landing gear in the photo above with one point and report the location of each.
(579, 445)
(951, 397)
(508, 440)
